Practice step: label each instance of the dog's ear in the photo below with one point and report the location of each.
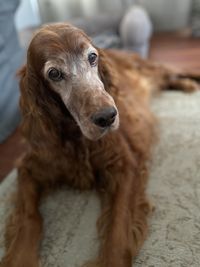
(26, 103)
(106, 70)
(32, 91)
(41, 112)
(29, 104)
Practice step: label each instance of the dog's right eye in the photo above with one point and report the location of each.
(54, 74)
(92, 58)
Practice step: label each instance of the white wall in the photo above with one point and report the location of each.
(27, 14)
(165, 14)
(61, 10)
(168, 14)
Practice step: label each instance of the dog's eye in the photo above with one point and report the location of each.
(55, 75)
(92, 58)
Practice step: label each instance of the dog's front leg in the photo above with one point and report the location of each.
(24, 227)
(123, 223)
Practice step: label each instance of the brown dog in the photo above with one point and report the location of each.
(87, 123)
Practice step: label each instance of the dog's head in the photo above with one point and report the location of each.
(64, 57)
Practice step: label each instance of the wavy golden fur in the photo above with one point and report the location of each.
(65, 147)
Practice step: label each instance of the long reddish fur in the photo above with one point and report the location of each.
(116, 166)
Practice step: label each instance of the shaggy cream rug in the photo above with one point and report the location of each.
(174, 187)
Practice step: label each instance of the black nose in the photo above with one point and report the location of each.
(104, 117)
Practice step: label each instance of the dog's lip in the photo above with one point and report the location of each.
(102, 132)
(107, 129)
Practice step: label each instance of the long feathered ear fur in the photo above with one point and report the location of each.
(42, 110)
(106, 71)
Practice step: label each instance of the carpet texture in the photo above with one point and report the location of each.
(174, 187)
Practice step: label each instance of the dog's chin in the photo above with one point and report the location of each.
(95, 133)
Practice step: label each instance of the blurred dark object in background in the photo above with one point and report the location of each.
(195, 18)
(11, 58)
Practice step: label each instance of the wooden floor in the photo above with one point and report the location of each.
(10, 150)
(176, 50)
(173, 49)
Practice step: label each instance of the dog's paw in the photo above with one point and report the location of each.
(92, 263)
(189, 85)
(152, 207)
(4, 264)
(13, 263)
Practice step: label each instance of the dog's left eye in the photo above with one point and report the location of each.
(55, 75)
(92, 58)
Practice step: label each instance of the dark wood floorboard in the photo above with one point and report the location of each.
(176, 50)
(10, 151)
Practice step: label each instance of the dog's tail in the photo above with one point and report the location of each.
(164, 78)
(172, 79)
(192, 78)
